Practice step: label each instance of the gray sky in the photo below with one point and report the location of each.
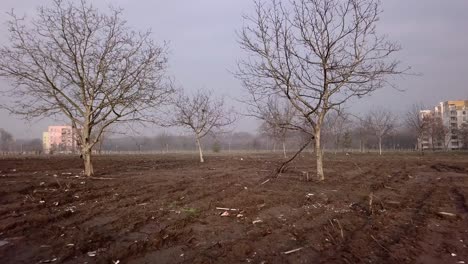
(203, 48)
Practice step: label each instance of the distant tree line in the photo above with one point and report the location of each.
(379, 130)
(342, 133)
(9, 144)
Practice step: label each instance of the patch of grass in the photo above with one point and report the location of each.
(191, 212)
(172, 205)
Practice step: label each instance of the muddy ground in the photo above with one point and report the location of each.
(163, 209)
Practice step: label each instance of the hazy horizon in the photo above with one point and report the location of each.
(203, 50)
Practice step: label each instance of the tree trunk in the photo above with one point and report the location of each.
(419, 146)
(380, 145)
(432, 143)
(337, 143)
(319, 155)
(200, 150)
(284, 149)
(100, 147)
(89, 171)
(86, 149)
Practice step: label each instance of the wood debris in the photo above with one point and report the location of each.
(446, 214)
(226, 209)
(292, 251)
(226, 213)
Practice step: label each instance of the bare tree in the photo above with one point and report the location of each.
(362, 132)
(315, 53)
(202, 114)
(33, 145)
(104, 134)
(437, 132)
(381, 123)
(164, 140)
(463, 135)
(335, 125)
(417, 121)
(6, 140)
(347, 140)
(432, 131)
(277, 118)
(87, 65)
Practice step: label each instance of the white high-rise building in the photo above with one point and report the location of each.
(453, 115)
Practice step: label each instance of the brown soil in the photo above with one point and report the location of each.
(162, 209)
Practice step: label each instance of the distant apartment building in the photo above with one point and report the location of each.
(58, 139)
(447, 120)
(45, 142)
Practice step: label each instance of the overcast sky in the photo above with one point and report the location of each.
(203, 48)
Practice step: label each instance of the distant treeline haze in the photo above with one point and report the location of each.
(351, 140)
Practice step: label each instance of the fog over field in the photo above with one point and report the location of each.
(204, 49)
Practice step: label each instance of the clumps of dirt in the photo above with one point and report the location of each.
(447, 168)
(169, 209)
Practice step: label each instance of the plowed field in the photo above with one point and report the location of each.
(165, 209)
